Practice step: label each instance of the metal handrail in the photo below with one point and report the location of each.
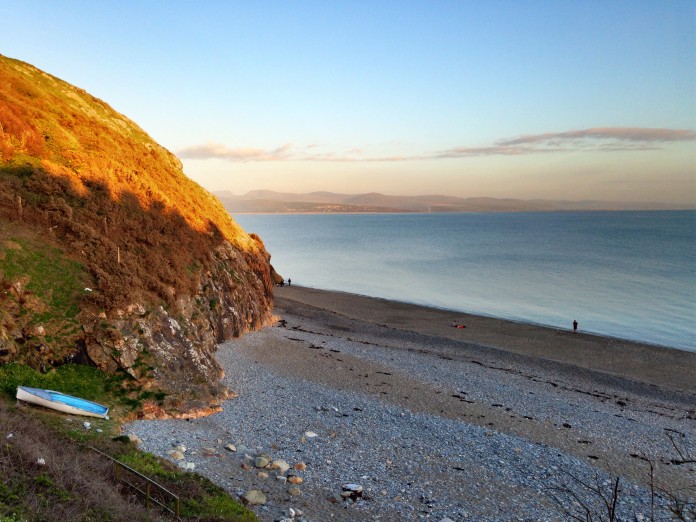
(148, 483)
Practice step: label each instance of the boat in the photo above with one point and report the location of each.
(62, 402)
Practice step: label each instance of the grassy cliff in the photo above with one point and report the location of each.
(109, 254)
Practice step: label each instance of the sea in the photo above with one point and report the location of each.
(630, 275)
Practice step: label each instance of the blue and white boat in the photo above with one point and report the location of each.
(62, 402)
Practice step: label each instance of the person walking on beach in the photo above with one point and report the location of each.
(575, 326)
(289, 282)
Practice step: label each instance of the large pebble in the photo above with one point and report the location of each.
(134, 439)
(255, 497)
(280, 465)
(176, 455)
(260, 462)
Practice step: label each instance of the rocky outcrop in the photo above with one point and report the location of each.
(110, 255)
(174, 351)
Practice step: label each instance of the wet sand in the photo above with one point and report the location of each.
(666, 368)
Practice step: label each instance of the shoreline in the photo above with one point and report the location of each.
(605, 336)
(643, 362)
(497, 421)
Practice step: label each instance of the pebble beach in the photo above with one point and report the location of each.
(352, 408)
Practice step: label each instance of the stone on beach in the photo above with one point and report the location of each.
(280, 465)
(401, 450)
(134, 439)
(260, 462)
(176, 455)
(352, 491)
(255, 497)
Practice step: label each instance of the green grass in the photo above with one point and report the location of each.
(74, 379)
(51, 288)
(202, 498)
(118, 391)
(54, 279)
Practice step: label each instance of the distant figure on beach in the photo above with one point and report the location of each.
(575, 327)
(289, 282)
(456, 325)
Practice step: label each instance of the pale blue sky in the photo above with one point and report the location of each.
(401, 97)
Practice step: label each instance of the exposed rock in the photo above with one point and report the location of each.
(254, 497)
(352, 491)
(176, 455)
(134, 439)
(260, 462)
(171, 275)
(280, 465)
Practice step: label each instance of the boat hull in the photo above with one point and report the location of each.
(62, 402)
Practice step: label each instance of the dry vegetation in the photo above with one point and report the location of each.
(94, 217)
(72, 166)
(96, 220)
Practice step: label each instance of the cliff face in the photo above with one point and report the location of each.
(108, 253)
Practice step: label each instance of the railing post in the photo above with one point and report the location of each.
(147, 495)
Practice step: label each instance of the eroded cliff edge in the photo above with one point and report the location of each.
(110, 255)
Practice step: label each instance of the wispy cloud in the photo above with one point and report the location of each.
(635, 135)
(601, 139)
(495, 150)
(219, 151)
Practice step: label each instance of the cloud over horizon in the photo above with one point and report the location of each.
(631, 134)
(601, 139)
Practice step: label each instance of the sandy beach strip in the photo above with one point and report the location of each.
(496, 421)
(665, 367)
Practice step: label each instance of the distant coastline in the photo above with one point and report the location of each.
(271, 202)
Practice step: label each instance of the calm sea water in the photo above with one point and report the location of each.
(625, 274)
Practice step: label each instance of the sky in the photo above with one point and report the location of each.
(521, 99)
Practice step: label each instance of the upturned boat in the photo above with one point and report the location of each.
(62, 402)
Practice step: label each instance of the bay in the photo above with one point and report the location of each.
(629, 275)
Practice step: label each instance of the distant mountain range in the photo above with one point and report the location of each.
(268, 201)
